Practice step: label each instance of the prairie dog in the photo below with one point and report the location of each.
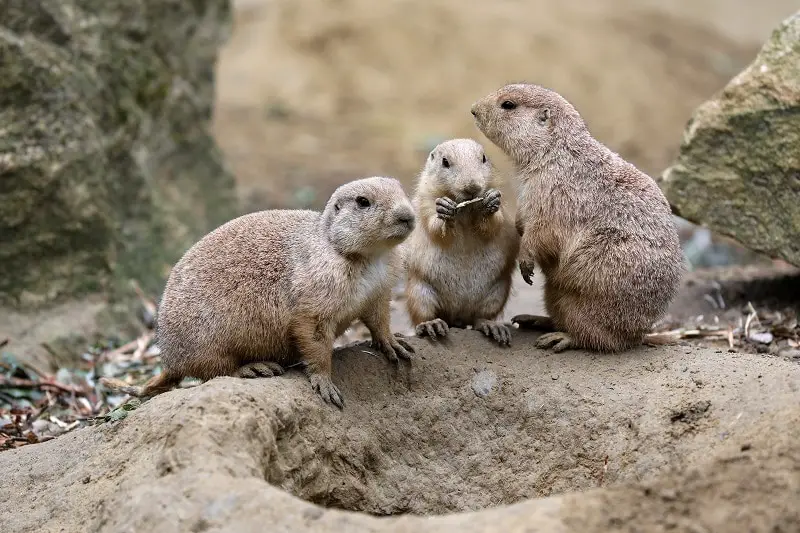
(279, 286)
(601, 230)
(459, 261)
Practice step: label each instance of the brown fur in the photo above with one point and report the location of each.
(279, 286)
(459, 269)
(601, 230)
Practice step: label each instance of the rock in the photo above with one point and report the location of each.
(483, 382)
(738, 171)
(108, 168)
(236, 455)
(761, 337)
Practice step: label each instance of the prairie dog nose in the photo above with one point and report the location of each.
(405, 215)
(472, 189)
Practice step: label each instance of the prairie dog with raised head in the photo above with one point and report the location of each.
(600, 229)
(459, 259)
(279, 286)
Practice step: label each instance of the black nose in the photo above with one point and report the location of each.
(472, 189)
(474, 114)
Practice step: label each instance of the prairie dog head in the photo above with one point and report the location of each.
(458, 169)
(527, 121)
(369, 216)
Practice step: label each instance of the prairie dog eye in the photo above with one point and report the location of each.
(508, 104)
(445, 162)
(362, 202)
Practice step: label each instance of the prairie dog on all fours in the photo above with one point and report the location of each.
(601, 230)
(279, 286)
(459, 260)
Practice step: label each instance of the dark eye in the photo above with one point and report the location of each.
(508, 104)
(484, 158)
(445, 162)
(362, 202)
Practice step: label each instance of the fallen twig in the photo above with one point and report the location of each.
(603, 471)
(45, 384)
(142, 343)
(148, 303)
(125, 348)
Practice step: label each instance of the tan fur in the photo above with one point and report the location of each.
(279, 286)
(600, 229)
(459, 270)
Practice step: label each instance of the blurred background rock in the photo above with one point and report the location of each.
(312, 93)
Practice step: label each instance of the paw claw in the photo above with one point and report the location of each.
(432, 328)
(323, 385)
(499, 332)
(557, 341)
(266, 369)
(445, 208)
(394, 349)
(406, 348)
(526, 269)
(491, 202)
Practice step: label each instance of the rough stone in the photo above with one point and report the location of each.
(483, 382)
(108, 171)
(415, 450)
(738, 171)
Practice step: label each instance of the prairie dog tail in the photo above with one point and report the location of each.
(118, 385)
(155, 385)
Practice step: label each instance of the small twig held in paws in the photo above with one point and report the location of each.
(468, 202)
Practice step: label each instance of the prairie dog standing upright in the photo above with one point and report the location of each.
(459, 260)
(601, 230)
(280, 286)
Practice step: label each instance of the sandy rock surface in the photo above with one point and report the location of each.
(512, 440)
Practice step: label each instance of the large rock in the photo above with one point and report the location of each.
(738, 171)
(107, 168)
(498, 440)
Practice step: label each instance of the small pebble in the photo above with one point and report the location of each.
(669, 494)
(40, 426)
(483, 382)
(554, 377)
(761, 337)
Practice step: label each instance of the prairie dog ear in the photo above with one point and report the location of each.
(543, 115)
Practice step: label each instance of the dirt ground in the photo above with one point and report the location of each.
(475, 437)
(650, 440)
(312, 93)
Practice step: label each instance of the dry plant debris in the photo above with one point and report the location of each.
(762, 331)
(36, 407)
